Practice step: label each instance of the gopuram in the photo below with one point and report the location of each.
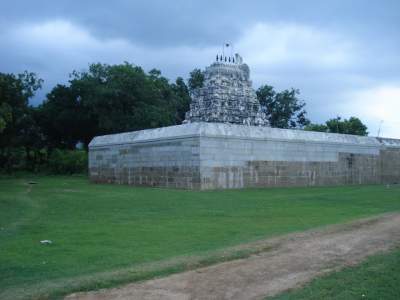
(227, 95)
(225, 142)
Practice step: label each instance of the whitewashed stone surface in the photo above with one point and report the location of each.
(227, 96)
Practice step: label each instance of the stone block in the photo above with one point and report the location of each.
(218, 156)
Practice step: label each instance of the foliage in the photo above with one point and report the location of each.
(182, 91)
(111, 98)
(107, 99)
(102, 100)
(350, 126)
(60, 118)
(196, 79)
(316, 127)
(5, 115)
(283, 109)
(12, 159)
(20, 135)
(103, 228)
(68, 161)
(15, 92)
(376, 278)
(58, 161)
(337, 125)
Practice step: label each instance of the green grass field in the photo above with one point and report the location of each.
(376, 278)
(102, 228)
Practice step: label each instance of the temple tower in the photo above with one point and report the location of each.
(227, 95)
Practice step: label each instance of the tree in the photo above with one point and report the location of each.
(109, 99)
(196, 79)
(5, 115)
(60, 117)
(355, 126)
(18, 126)
(183, 99)
(15, 92)
(337, 125)
(283, 109)
(350, 126)
(316, 127)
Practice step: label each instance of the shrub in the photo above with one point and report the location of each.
(12, 159)
(68, 161)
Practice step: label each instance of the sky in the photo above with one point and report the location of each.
(343, 56)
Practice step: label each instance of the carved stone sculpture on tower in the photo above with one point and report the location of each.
(227, 96)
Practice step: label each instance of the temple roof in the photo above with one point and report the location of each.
(204, 129)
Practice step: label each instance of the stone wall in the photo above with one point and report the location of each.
(219, 156)
(173, 163)
(282, 163)
(390, 160)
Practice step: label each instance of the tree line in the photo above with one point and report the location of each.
(106, 99)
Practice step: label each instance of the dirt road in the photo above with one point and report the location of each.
(294, 260)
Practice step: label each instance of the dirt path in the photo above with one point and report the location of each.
(295, 260)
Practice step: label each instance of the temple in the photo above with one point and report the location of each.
(226, 143)
(227, 95)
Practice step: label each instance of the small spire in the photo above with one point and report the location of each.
(229, 59)
(217, 57)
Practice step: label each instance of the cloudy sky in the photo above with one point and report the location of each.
(343, 55)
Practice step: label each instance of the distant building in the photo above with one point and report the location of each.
(226, 143)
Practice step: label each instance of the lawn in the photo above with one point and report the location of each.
(377, 278)
(102, 228)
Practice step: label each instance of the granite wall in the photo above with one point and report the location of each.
(172, 163)
(219, 156)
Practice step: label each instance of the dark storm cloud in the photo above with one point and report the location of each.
(334, 51)
(178, 22)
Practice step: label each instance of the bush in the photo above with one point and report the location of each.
(68, 161)
(12, 159)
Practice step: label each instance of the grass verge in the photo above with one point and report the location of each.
(376, 278)
(107, 234)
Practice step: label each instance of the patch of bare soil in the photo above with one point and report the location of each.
(295, 260)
